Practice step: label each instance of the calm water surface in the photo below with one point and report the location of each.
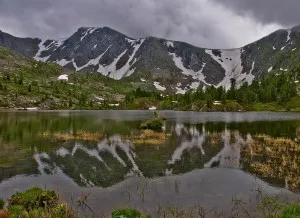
(200, 163)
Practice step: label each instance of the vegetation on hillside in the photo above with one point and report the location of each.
(271, 92)
(27, 83)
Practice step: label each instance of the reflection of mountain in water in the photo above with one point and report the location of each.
(114, 159)
(103, 164)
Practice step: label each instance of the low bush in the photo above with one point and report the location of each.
(34, 198)
(127, 213)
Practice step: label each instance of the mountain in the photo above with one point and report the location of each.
(162, 64)
(27, 83)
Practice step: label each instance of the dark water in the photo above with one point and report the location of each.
(199, 164)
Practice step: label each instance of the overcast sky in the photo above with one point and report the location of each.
(205, 23)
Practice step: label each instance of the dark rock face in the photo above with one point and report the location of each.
(25, 46)
(175, 66)
(1, 38)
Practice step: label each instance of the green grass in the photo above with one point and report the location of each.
(25, 82)
(292, 105)
(291, 212)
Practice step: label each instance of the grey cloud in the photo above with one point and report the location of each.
(285, 12)
(206, 23)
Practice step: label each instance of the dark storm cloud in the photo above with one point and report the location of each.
(206, 23)
(285, 12)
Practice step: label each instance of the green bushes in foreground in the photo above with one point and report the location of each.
(37, 203)
(127, 213)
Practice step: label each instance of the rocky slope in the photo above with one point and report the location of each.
(162, 64)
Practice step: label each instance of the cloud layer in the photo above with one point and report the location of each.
(205, 23)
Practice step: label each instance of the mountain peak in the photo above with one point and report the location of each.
(160, 63)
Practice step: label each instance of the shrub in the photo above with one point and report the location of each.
(2, 203)
(16, 211)
(127, 213)
(34, 198)
(62, 211)
(153, 124)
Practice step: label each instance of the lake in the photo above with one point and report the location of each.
(201, 158)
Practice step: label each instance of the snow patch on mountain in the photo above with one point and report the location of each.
(63, 77)
(126, 70)
(189, 72)
(270, 69)
(92, 62)
(181, 91)
(285, 70)
(62, 62)
(231, 62)
(110, 70)
(58, 43)
(41, 49)
(130, 72)
(87, 32)
(169, 44)
(245, 78)
(159, 87)
(289, 35)
(131, 41)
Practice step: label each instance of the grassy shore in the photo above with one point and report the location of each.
(37, 203)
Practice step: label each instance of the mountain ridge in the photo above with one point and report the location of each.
(162, 64)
